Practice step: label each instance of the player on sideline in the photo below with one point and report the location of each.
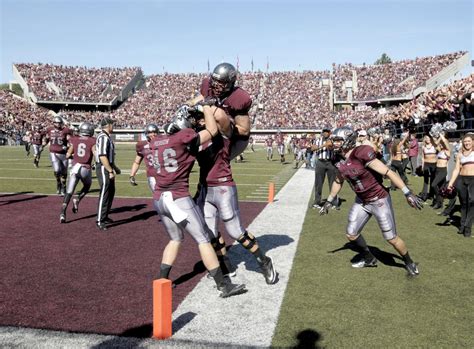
(58, 136)
(269, 145)
(83, 149)
(37, 144)
(144, 151)
(360, 167)
(174, 157)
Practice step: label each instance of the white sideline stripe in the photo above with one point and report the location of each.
(250, 319)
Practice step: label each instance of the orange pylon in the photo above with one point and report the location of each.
(162, 309)
(271, 191)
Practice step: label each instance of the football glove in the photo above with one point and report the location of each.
(326, 207)
(132, 181)
(414, 201)
(117, 170)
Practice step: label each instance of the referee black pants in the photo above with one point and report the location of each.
(323, 168)
(107, 193)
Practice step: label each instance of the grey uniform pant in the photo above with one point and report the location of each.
(323, 168)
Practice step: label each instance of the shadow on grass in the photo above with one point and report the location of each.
(308, 339)
(17, 193)
(386, 258)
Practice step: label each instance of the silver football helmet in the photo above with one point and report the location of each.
(348, 137)
(151, 128)
(223, 79)
(86, 129)
(58, 120)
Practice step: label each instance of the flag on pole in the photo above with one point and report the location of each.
(252, 64)
(208, 66)
(268, 64)
(237, 62)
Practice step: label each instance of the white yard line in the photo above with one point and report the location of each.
(250, 319)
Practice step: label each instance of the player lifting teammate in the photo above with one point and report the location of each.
(359, 166)
(174, 154)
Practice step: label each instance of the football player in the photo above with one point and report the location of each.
(217, 193)
(359, 166)
(220, 88)
(37, 143)
(301, 147)
(174, 154)
(280, 141)
(144, 152)
(269, 145)
(57, 136)
(82, 150)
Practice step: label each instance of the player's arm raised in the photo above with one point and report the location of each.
(211, 126)
(380, 167)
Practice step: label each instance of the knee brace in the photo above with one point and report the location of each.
(247, 240)
(216, 244)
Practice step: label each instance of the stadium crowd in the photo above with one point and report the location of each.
(80, 84)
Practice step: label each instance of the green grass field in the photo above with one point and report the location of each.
(338, 306)
(17, 174)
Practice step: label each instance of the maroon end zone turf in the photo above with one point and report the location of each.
(74, 277)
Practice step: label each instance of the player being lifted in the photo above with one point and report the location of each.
(144, 151)
(58, 136)
(82, 151)
(174, 156)
(359, 166)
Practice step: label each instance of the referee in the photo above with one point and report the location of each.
(106, 171)
(324, 166)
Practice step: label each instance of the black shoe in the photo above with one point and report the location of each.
(363, 263)
(461, 230)
(318, 206)
(62, 218)
(412, 269)
(101, 226)
(268, 271)
(108, 220)
(228, 289)
(437, 206)
(75, 205)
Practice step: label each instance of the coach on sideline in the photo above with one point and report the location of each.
(106, 171)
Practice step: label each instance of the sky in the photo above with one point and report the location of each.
(183, 36)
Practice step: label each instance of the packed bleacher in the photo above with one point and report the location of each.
(78, 84)
(289, 100)
(391, 79)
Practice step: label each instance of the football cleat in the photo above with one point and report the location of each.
(412, 269)
(62, 218)
(75, 205)
(365, 263)
(101, 226)
(268, 271)
(228, 289)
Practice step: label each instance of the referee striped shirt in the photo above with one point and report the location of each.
(105, 147)
(324, 153)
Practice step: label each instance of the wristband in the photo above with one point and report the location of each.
(405, 190)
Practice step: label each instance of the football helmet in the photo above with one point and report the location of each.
(448, 192)
(223, 79)
(182, 119)
(348, 137)
(86, 129)
(151, 128)
(58, 121)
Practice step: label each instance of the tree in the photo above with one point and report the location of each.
(384, 59)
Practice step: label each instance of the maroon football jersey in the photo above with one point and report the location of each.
(220, 173)
(144, 151)
(58, 139)
(37, 137)
(173, 162)
(366, 183)
(237, 103)
(279, 139)
(82, 146)
(269, 142)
